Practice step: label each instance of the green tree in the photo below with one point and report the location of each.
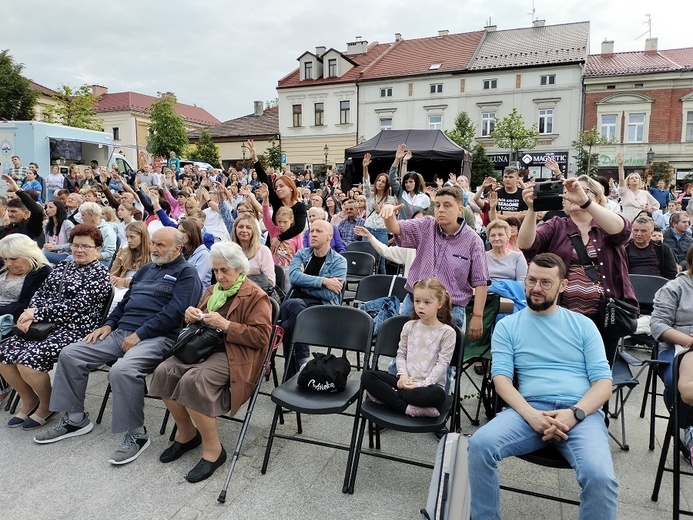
(167, 129)
(205, 150)
(661, 171)
(272, 158)
(511, 132)
(482, 166)
(75, 107)
(17, 98)
(463, 133)
(588, 162)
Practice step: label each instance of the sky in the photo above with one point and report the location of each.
(223, 55)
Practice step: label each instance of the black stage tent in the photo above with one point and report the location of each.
(432, 152)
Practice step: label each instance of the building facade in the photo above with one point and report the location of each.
(643, 101)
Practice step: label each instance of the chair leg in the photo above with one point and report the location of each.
(646, 393)
(653, 409)
(270, 440)
(357, 456)
(352, 445)
(104, 402)
(662, 460)
(299, 426)
(164, 423)
(14, 403)
(174, 430)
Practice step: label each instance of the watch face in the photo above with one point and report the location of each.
(579, 414)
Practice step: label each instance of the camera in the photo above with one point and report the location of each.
(548, 196)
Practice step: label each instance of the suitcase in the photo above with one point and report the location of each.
(448, 494)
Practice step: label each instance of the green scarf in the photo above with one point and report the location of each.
(220, 296)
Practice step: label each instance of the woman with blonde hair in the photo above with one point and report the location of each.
(126, 213)
(246, 234)
(503, 263)
(130, 258)
(633, 198)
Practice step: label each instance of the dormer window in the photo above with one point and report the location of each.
(332, 68)
(308, 70)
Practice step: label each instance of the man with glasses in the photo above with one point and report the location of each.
(558, 359)
(645, 256)
(677, 237)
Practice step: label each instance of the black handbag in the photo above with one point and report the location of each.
(324, 373)
(615, 317)
(37, 331)
(197, 342)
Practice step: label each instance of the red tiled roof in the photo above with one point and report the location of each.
(529, 46)
(414, 57)
(132, 101)
(246, 126)
(639, 62)
(374, 51)
(43, 90)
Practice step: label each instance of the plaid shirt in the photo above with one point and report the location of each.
(346, 229)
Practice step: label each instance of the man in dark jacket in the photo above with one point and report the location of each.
(137, 336)
(677, 236)
(646, 256)
(24, 213)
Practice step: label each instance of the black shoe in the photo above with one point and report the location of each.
(441, 433)
(205, 469)
(176, 450)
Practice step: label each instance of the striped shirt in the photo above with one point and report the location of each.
(457, 260)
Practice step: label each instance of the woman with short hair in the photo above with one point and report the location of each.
(197, 394)
(194, 250)
(92, 216)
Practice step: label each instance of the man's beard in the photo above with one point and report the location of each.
(162, 259)
(540, 307)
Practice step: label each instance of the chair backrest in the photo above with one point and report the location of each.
(107, 305)
(334, 326)
(275, 310)
(645, 287)
(280, 276)
(358, 263)
(363, 247)
(379, 285)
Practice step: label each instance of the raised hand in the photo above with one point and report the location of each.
(366, 160)
(390, 211)
(407, 156)
(401, 152)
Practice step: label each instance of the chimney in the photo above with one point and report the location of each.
(608, 48)
(319, 51)
(538, 23)
(398, 37)
(651, 46)
(258, 108)
(443, 33)
(490, 28)
(98, 90)
(357, 47)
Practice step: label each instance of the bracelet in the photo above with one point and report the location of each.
(477, 315)
(586, 204)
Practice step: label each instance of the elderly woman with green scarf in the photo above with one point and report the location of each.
(197, 394)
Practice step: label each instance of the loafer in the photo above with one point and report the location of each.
(35, 421)
(205, 469)
(176, 450)
(19, 418)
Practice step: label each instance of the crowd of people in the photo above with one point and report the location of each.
(115, 263)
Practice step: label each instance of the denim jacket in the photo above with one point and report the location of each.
(335, 266)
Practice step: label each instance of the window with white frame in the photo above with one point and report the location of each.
(344, 109)
(607, 127)
(308, 70)
(386, 92)
(546, 120)
(386, 123)
(332, 67)
(689, 126)
(436, 88)
(547, 79)
(490, 83)
(298, 115)
(319, 114)
(435, 122)
(636, 128)
(488, 123)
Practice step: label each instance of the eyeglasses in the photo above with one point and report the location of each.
(545, 284)
(81, 247)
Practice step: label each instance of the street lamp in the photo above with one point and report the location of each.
(650, 156)
(243, 148)
(326, 150)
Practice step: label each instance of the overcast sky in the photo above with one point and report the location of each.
(223, 55)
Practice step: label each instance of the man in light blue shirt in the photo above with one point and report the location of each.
(558, 359)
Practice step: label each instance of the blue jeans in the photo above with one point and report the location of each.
(381, 235)
(54, 258)
(509, 435)
(666, 373)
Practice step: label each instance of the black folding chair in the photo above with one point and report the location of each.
(339, 327)
(387, 344)
(681, 417)
(359, 265)
(251, 403)
(378, 285)
(363, 246)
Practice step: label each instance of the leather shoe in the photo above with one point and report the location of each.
(205, 469)
(176, 450)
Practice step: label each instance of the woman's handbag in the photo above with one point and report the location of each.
(324, 373)
(197, 342)
(37, 331)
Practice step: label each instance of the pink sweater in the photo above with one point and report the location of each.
(288, 248)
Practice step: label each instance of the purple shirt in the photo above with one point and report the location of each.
(457, 260)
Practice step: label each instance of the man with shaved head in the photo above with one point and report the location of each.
(317, 275)
(136, 337)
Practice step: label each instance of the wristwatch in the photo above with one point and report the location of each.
(578, 413)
